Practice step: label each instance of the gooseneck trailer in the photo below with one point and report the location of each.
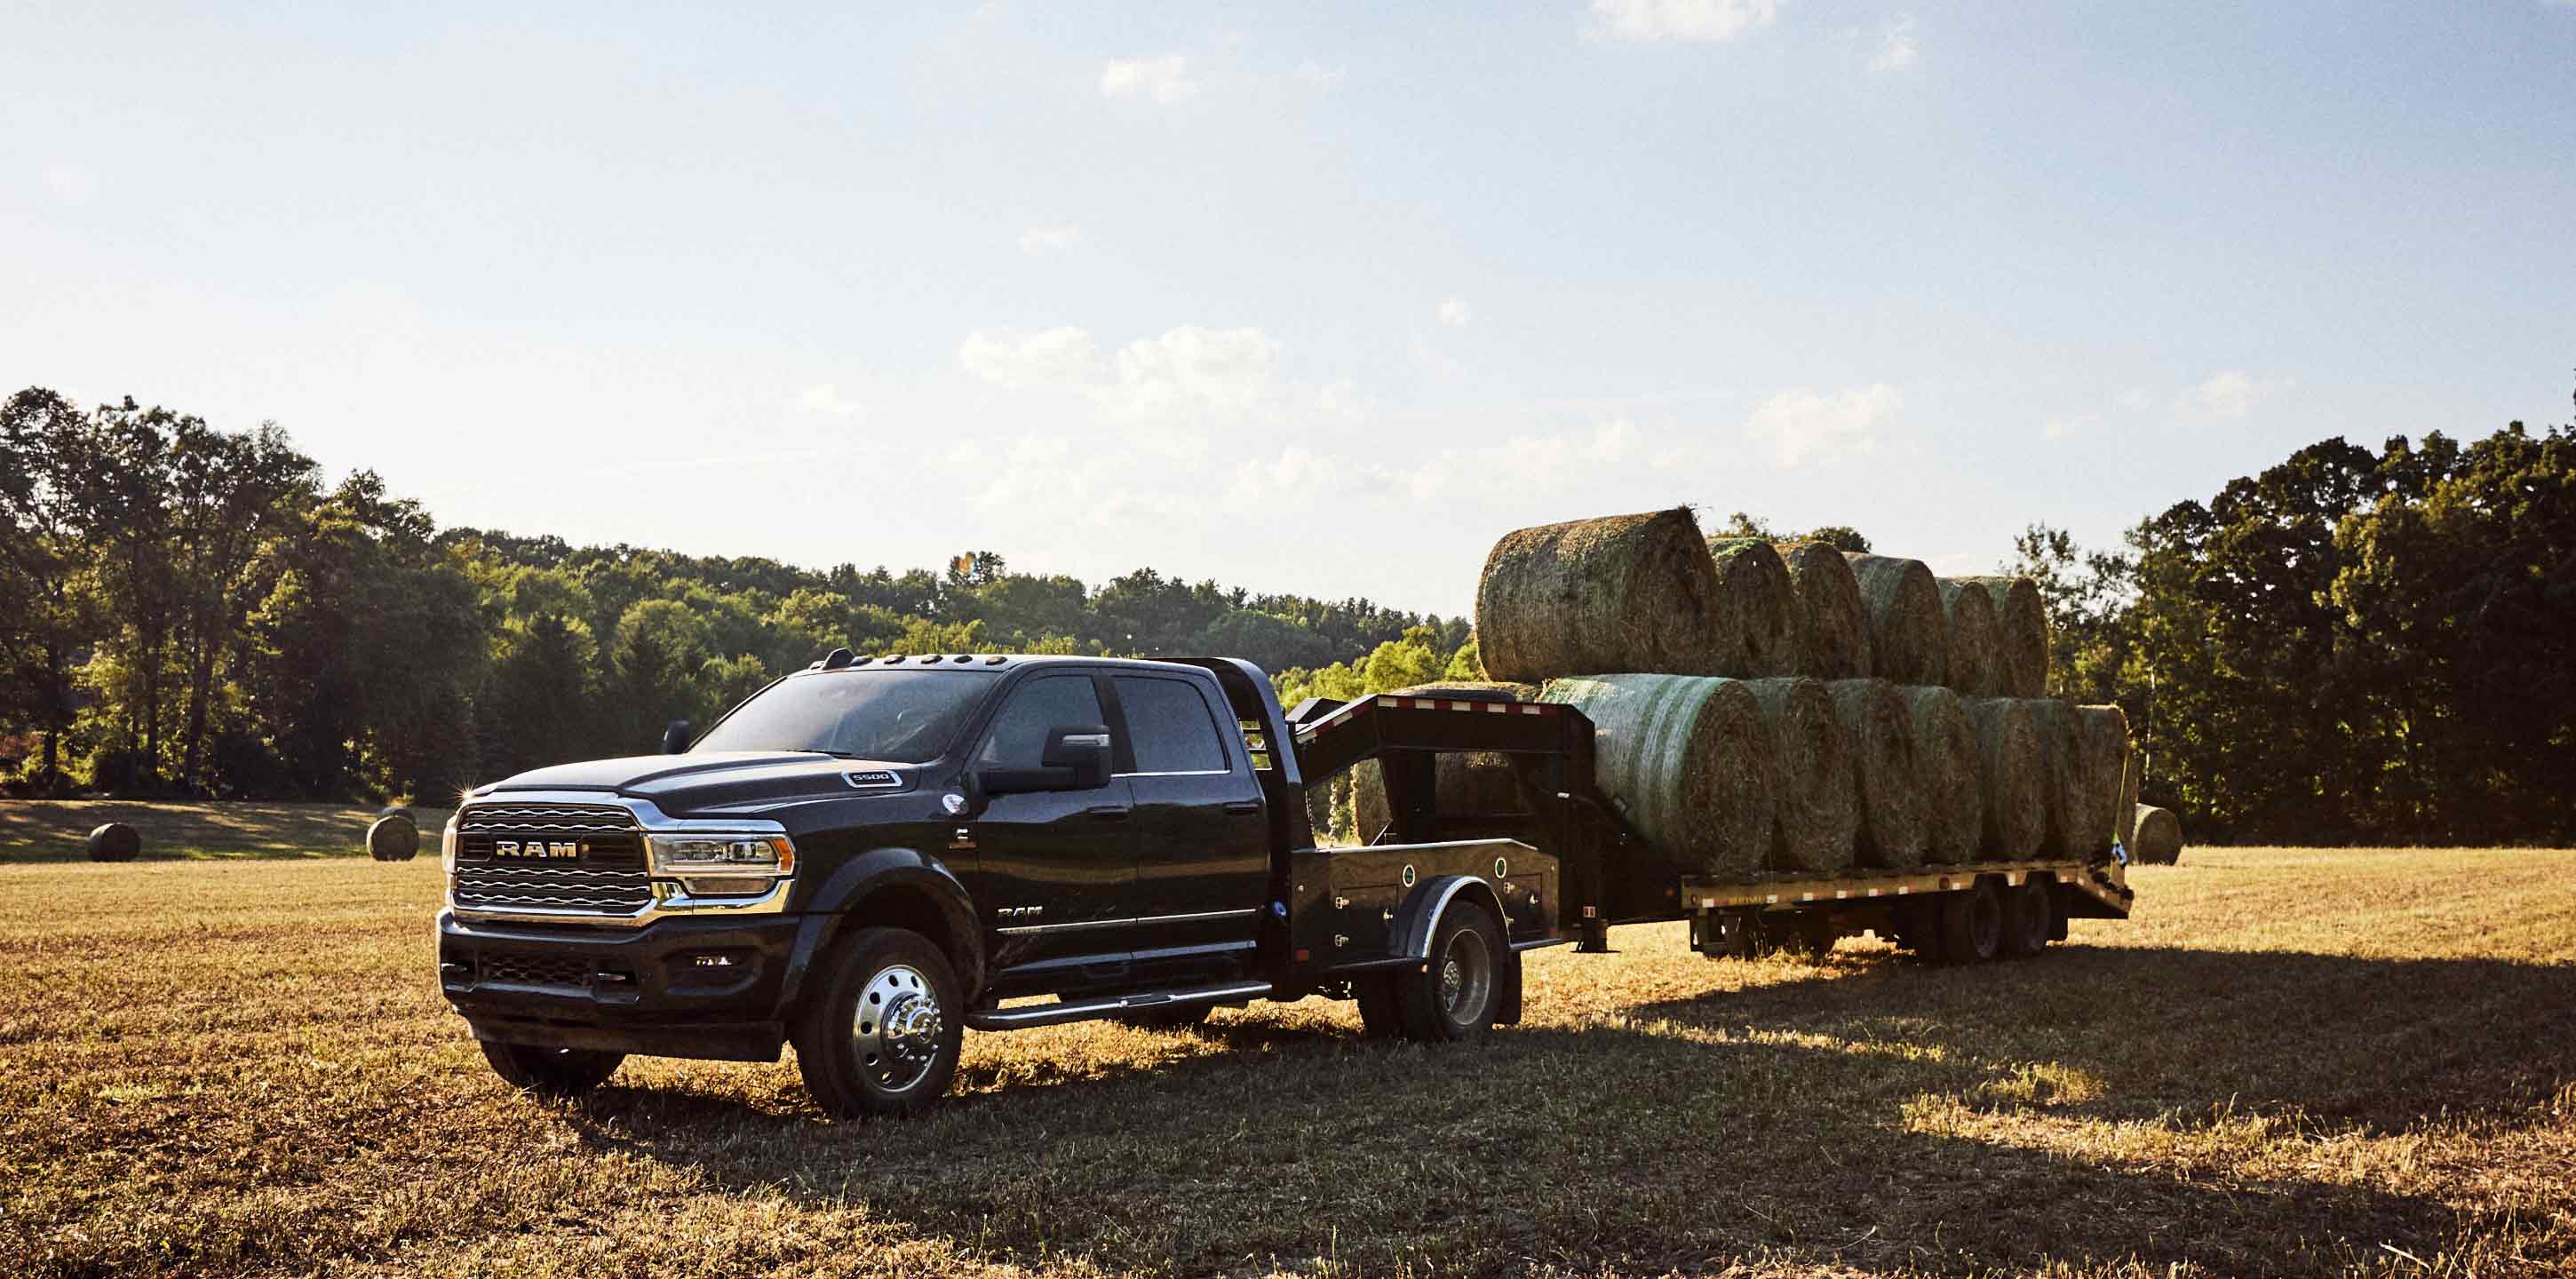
(872, 855)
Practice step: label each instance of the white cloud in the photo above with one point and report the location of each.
(1193, 366)
(1692, 20)
(1456, 313)
(1049, 239)
(826, 398)
(1798, 423)
(2058, 428)
(1315, 75)
(72, 183)
(1896, 46)
(1164, 79)
(2227, 395)
(1015, 358)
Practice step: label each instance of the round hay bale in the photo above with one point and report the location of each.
(1878, 730)
(115, 842)
(2062, 792)
(2159, 837)
(1623, 593)
(2012, 779)
(1818, 801)
(1473, 690)
(1833, 623)
(2105, 762)
(1945, 761)
(2021, 623)
(1757, 609)
(1909, 637)
(1687, 760)
(2130, 777)
(1465, 784)
(1319, 809)
(393, 839)
(1976, 639)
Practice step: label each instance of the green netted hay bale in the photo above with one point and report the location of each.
(2159, 837)
(2062, 792)
(1757, 609)
(2012, 778)
(1833, 623)
(1687, 760)
(1817, 805)
(1909, 636)
(1976, 639)
(1945, 761)
(1878, 729)
(1623, 593)
(2105, 761)
(2021, 622)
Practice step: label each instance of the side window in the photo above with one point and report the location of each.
(1173, 729)
(1018, 736)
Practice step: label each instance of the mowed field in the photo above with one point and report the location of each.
(2301, 1062)
(58, 830)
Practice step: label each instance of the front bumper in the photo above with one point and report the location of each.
(711, 988)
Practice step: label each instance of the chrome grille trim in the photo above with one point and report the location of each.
(607, 892)
(611, 886)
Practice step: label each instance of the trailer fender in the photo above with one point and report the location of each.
(1420, 918)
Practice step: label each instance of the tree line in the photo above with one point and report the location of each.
(191, 611)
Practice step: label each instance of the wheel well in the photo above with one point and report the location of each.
(915, 910)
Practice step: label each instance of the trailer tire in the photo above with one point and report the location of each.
(2030, 912)
(1454, 998)
(882, 1027)
(551, 1072)
(1972, 924)
(1375, 994)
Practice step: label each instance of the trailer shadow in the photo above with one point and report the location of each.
(2084, 1110)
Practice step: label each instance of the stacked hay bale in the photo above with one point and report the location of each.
(1817, 800)
(2105, 761)
(1624, 593)
(2063, 794)
(2130, 777)
(1977, 663)
(2159, 836)
(1878, 729)
(1689, 761)
(1909, 635)
(1833, 622)
(1945, 765)
(1757, 609)
(2021, 619)
(2012, 778)
(1464, 783)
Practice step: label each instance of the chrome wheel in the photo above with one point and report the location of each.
(1466, 979)
(895, 1029)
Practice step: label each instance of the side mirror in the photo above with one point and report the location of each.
(675, 737)
(1076, 758)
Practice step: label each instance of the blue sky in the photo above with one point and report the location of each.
(1317, 298)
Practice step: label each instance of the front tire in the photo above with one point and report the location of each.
(551, 1072)
(1453, 999)
(882, 1034)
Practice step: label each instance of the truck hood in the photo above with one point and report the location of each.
(678, 783)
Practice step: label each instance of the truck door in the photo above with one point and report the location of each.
(1203, 846)
(1055, 871)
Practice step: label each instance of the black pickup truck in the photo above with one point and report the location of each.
(871, 855)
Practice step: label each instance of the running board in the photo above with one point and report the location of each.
(1056, 1014)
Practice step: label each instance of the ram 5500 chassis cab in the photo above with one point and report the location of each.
(869, 856)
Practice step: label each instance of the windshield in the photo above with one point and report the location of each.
(902, 717)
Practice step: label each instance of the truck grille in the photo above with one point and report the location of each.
(602, 875)
(567, 971)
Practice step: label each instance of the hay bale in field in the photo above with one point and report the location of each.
(1833, 622)
(1623, 593)
(2130, 777)
(2021, 620)
(2062, 792)
(1757, 609)
(1909, 636)
(1878, 730)
(1689, 761)
(394, 839)
(2012, 779)
(114, 842)
(1473, 690)
(1817, 803)
(2105, 761)
(1945, 763)
(2159, 837)
(1976, 638)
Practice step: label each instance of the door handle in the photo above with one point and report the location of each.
(1106, 813)
(1244, 807)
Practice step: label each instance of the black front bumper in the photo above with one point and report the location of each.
(710, 988)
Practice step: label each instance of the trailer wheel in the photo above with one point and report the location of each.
(551, 1072)
(1972, 924)
(1375, 994)
(1454, 997)
(881, 1033)
(2030, 914)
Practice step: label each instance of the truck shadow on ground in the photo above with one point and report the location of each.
(2099, 1107)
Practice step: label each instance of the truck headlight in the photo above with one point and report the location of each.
(722, 855)
(447, 840)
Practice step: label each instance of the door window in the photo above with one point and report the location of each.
(1170, 724)
(1019, 735)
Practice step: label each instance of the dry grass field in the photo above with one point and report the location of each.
(2293, 1062)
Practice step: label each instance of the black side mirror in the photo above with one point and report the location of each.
(1076, 758)
(675, 737)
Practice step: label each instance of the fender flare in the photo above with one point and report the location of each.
(848, 889)
(1420, 920)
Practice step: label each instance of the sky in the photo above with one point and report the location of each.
(1313, 298)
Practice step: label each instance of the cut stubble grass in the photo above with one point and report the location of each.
(2291, 1062)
